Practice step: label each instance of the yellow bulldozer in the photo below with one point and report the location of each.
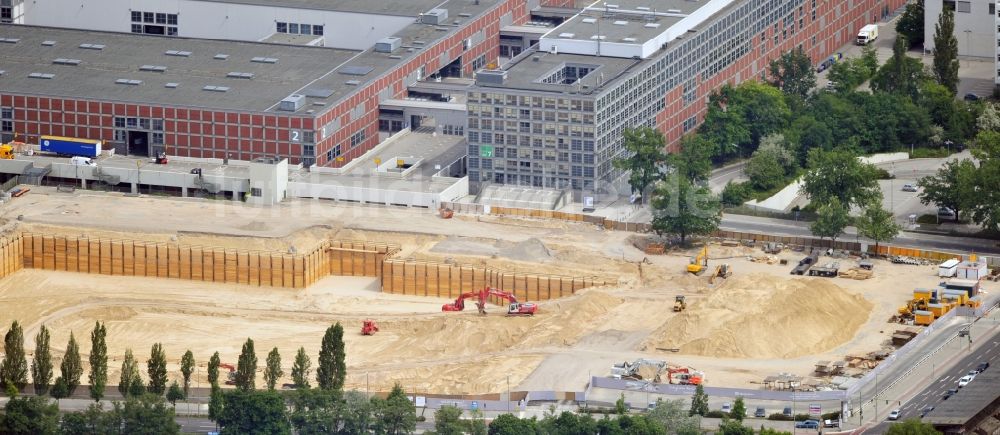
(679, 304)
(699, 263)
(6, 152)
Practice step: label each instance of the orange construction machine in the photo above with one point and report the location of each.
(684, 376)
(231, 376)
(369, 327)
(514, 307)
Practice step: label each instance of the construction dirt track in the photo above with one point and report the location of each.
(759, 322)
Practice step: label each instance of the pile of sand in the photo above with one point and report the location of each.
(531, 250)
(763, 316)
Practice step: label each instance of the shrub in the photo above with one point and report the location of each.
(882, 174)
(716, 414)
(777, 416)
(927, 153)
(803, 417)
(831, 415)
(736, 193)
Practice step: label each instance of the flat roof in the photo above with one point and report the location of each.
(531, 67)
(625, 21)
(969, 401)
(380, 7)
(324, 75)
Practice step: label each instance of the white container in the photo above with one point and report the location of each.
(948, 269)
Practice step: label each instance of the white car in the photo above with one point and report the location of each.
(894, 415)
(965, 380)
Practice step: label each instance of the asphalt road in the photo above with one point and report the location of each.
(933, 393)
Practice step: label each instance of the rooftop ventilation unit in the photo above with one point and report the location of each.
(354, 70)
(651, 25)
(128, 82)
(48, 43)
(673, 11)
(598, 37)
(388, 44)
(220, 56)
(434, 16)
(352, 82)
(589, 20)
(177, 53)
(395, 56)
(491, 77)
(610, 6)
(10, 40)
(171, 85)
(567, 35)
(629, 39)
(62, 61)
(2, 72)
(264, 60)
(93, 46)
(292, 103)
(153, 68)
(621, 23)
(642, 8)
(215, 88)
(41, 76)
(240, 75)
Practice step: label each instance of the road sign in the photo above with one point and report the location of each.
(815, 409)
(485, 151)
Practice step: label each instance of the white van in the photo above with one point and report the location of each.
(82, 161)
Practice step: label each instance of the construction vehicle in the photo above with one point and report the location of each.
(369, 327)
(684, 376)
(161, 159)
(679, 304)
(231, 375)
(640, 369)
(6, 152)
(721, 271)
(700, 262)
(514, 307)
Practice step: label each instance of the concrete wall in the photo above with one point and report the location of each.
(981, 38)
(271, 179)
(371, 191)
(217, 20)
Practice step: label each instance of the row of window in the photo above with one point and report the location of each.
(156, 138)
(527, 101)
(7, 119)
(357, 138)
(146, 29)
(134, 123)
(299, 29)
(154, 18)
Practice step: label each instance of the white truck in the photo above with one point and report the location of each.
(867, 34)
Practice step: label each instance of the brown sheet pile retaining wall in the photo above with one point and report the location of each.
(424, 278)
(10, 255)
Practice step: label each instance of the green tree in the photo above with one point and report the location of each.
(946, 51)
(739, 409)
(735, 194)
(568, 423)
(733, 427)
(187, 367)
(911, 23)
(793, 73)
(694, 161)
(869, 58)
(674, 418)
(41, 363)
(175, 393)
(356, 414)
(448, 421)
(699, 401)
(273, 370)
(14, 367)
(246, 368)
(137, 389)
(213, 369)
(683, 209)
(94, 420)
(621, 408)
(807, 133)
(645, 152)
(877, 224)
(59, 389)
(254, 412)
(396, 414)
(509, 424)
(989, 119)
(129, 375)
(29, 415)
(156, 368)
(301, 369)
(331, 370)
(71, 368)
(831, 220)
(98, 361)
(727, 129)
(770, 164)
(912, 426)
(944, 110)
(319, 411)
(216, 402)
(900, 74)
(840, 175)
(953, 186)
(145, 414)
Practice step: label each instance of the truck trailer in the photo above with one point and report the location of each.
(68, 146)
(867, 34)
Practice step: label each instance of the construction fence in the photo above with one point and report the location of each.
(425, 278)
(640, 227)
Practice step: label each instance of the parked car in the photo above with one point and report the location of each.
(971, 97)
(831, 422)
(926, 411)
(909, 188)
(965, 380)
(808, 424)
(787, 412)
(946, 213)
(727, 407)
(949, 393)
(894, 415)
(760, 412)
(982, 367)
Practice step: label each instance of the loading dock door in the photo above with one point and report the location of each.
(138, 143)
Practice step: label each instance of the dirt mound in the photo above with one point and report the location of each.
(532, 250)
(763, 316)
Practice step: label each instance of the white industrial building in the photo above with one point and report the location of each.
(977, 28)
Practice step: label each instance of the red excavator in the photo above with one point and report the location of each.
(369, 327)
(684, 376)
(514, 308)
(231, 376)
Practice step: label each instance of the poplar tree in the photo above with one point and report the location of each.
(14, 368)
(187, 367)
(331, 370)
(272, 372)
(129, 375)
(41, 364)
(213, 370)
(71, 367)
(98, 362)
(300, 369)
(246, 368)
(946, 51)
(156, 368)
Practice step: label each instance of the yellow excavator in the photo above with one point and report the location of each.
(721, 271)
(911, 306)
(6, 152)
(699, 263)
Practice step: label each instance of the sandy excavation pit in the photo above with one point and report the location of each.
(757, 323)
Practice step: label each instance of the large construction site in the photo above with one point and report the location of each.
(190, 274)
